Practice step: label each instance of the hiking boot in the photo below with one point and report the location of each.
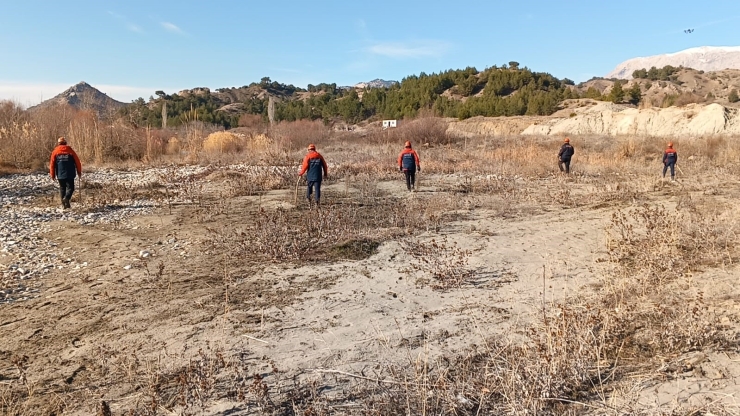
(65, 203)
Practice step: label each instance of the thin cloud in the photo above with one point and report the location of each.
(172, 28)
(133, 27)
(423, 49)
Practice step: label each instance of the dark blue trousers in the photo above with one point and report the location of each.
(672, 166)
(315, 188)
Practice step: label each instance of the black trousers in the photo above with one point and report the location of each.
(564, 165)
(410, 178)
(66, 188)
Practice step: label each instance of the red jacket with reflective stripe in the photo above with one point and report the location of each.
(408, 159)
(670, 156)
(64, 162)
(314, 163)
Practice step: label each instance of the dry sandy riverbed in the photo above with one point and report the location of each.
(138, 293)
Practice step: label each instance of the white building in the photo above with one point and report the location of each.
(389, 123)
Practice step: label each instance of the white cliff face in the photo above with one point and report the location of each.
(694, 120)
(706, 58)
(608, 119)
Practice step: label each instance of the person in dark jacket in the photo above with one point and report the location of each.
(408, 163)
(314, 164)
(670, 157)
(564, 155)
(64, 166)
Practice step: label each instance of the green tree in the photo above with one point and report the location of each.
(733, 97)
(592, 93)
(635, 94)
(617, 93)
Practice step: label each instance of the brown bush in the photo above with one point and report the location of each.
(296, 135)
(173, 146)
(253, 122)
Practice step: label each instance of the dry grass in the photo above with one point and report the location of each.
(222, 142)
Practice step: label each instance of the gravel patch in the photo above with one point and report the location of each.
(25, 256)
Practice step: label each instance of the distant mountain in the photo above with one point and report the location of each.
(83, 96)
(376, 83)
(705, 58)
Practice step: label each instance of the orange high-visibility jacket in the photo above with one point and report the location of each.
(64, 163)
(314, 163)
(408, 159)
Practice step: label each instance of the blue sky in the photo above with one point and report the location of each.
(129, 49)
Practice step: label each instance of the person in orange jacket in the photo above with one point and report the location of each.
(64, 166)
(408, 163)
(314, 164)
(670, 157)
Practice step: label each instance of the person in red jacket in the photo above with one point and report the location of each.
(670, 157)
(408, 163)
(314, 164)
(64, 167)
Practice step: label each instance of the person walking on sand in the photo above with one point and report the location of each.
(408, 163)
(64, 167)
(564, 155)
(314, 164)
(670, 157)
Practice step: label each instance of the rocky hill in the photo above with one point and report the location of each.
(590, 117)
(83, 96)
(376, 83)
(683, 87)
(705, 58)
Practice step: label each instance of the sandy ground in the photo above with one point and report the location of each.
(124, 313)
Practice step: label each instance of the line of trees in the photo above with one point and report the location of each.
(507, 90)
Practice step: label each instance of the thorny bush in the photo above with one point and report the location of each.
(445, 261)
(280, 235)
(657, 245)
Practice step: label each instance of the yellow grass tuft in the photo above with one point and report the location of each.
(222, 142)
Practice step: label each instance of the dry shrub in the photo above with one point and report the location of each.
(222, 142)
(445, 261)
(255, 123)
(421, 131)
(297, 135)
(173, 146)
(289, 235)
(22, 147)
(27, 139)
(680, 100)
(258, 143)
(191, 136)
(653, 244)
(425, 130)
(253, 183)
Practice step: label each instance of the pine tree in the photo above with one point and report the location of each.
(617, 93)
(635, 94)
(733, 97)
